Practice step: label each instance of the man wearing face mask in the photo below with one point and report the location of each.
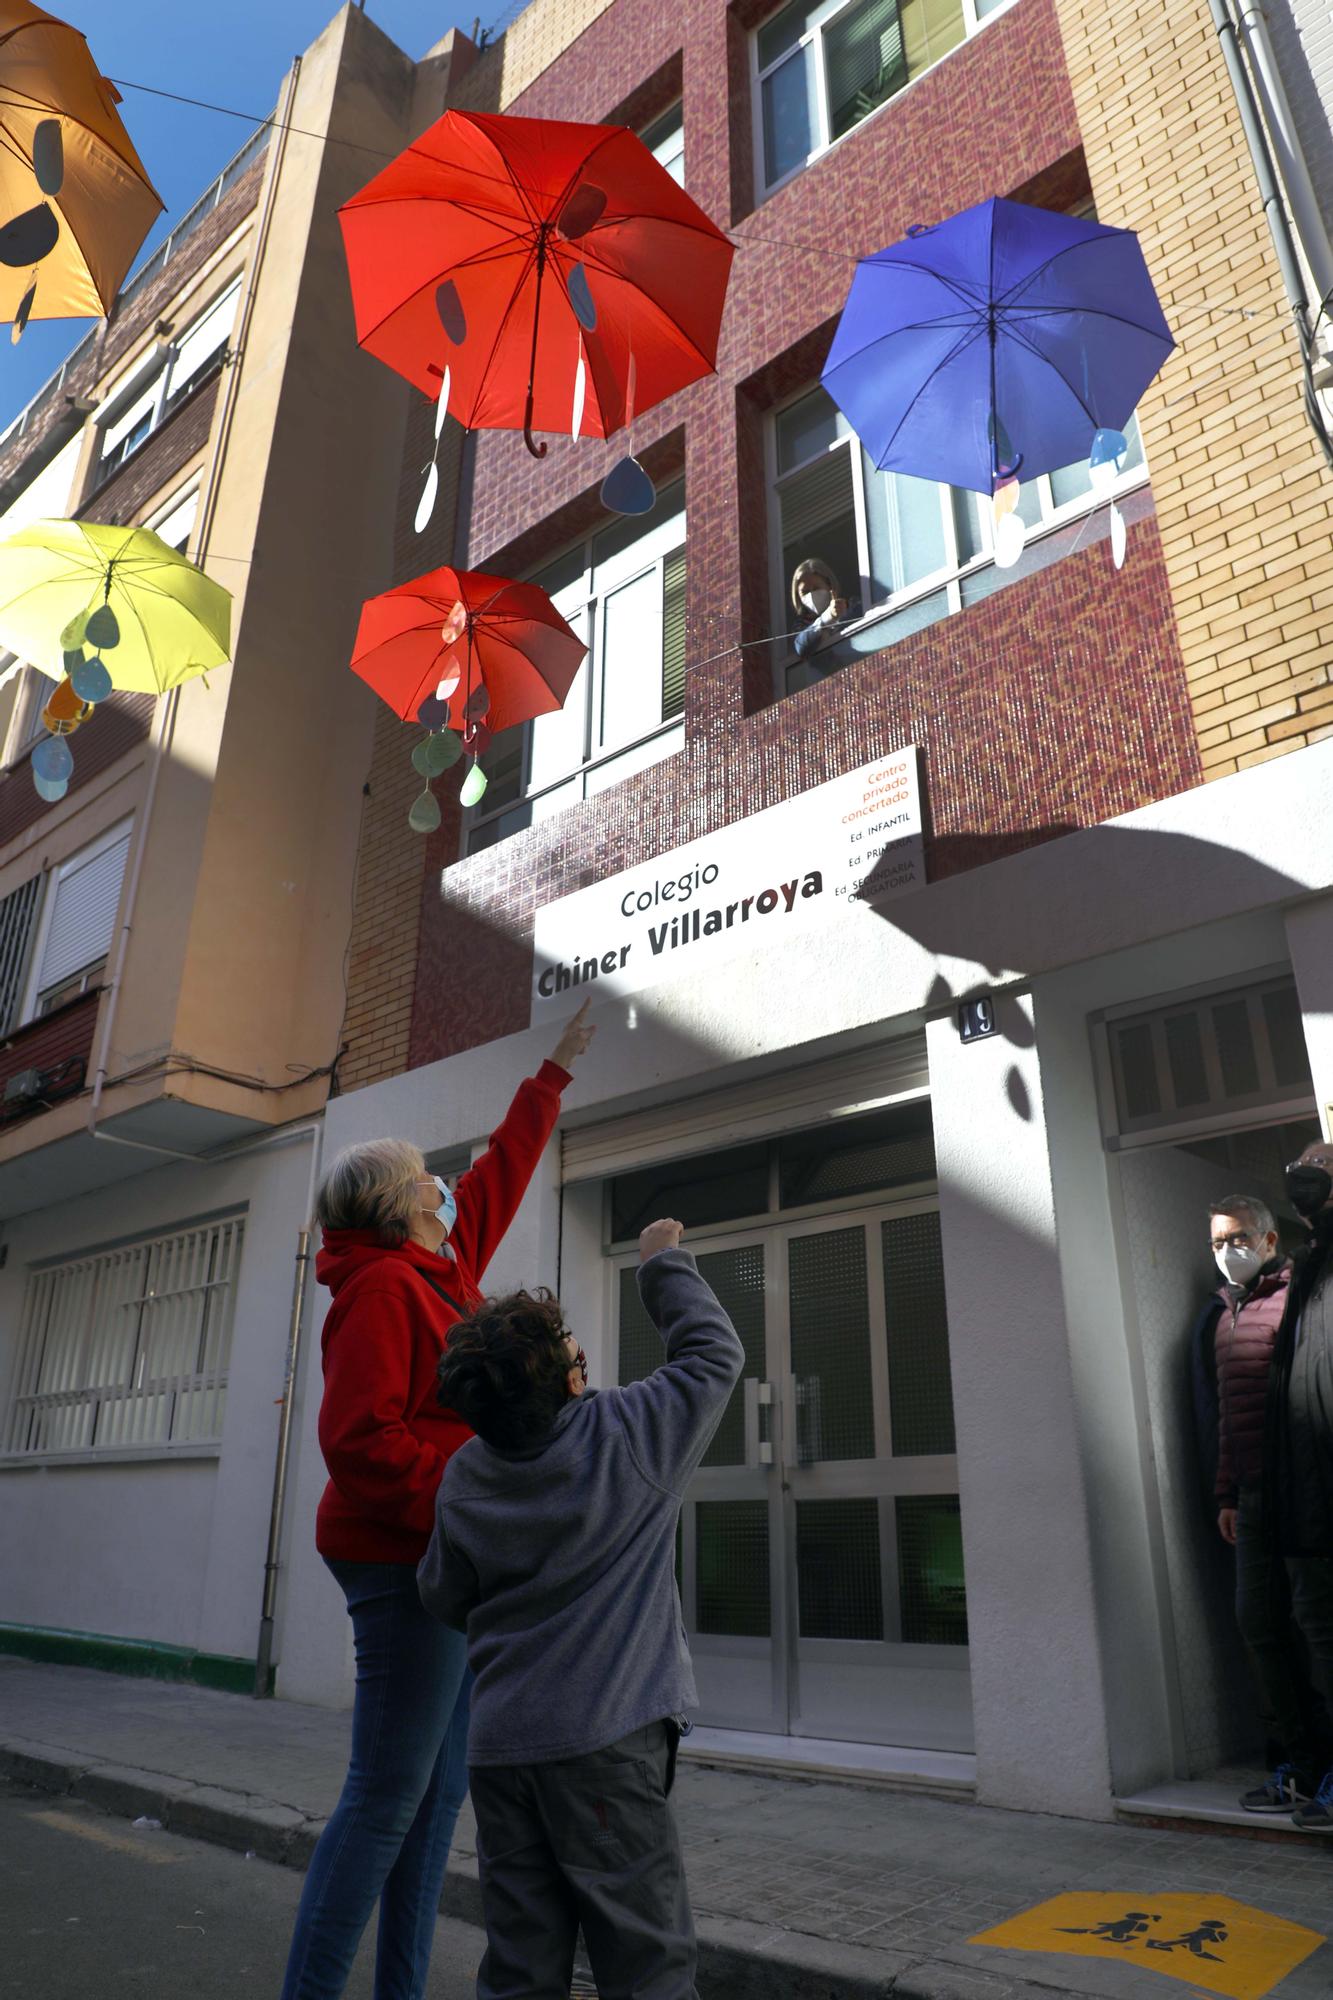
(1298, 1443)
(1251, 1299)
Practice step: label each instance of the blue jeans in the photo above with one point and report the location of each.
(388, 1839)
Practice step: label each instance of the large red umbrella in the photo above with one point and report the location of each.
(477, 648)
(557, 273)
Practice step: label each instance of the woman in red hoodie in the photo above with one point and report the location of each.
(404, 1258)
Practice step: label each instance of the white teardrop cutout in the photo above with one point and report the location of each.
(442, 405)
(426, 504)
(580, 393)
(1117, 536)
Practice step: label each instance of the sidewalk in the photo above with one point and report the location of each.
(802, 1890)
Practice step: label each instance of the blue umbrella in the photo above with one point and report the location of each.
(995, 343)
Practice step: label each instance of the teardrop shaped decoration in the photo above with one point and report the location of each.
(580, 394)
(53, 759)
(455, 625)
(474, 786)
(90, 680)
(425, 814)
(442, 403)
(433, 713)
(50, 789)
(1004, 500)
(478, 704)
(447, 685)
(74, 659)
(48, 156)
(29, 237)
(421, 756)
(24, 314)
(1010, 537)
(580, 297)
(584, 207)
(1117, 536)
(71, 639)
(426, 504)
(627, 489)
(103, 629)
(443, 749)
(450, 309)
(1107, 447)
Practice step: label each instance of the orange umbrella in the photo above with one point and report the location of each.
(75, 199)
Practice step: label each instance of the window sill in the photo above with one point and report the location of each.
(141, 1454)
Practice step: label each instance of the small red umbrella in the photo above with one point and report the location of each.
(478, 649)
(548, 276)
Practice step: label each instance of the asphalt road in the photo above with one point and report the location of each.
(92, 1908)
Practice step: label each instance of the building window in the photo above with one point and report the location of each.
(905, 552)
(623, 592)
(76, 924)
(175, 523)
(127, 1350)
(665, 140)
(131, 419)
(822, 66)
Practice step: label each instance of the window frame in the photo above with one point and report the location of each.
(602, 763)
(666, 125)
(949, 577)
(160, 377)
(30, 1006)
(827, 12)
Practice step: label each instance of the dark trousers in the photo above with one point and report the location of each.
(1287, 1625)
(593, 1841)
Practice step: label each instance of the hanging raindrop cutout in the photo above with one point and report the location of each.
(29, 237)
(580, 297)
(425, 814)
(48, 156)
(580, 392)
(89, 678)
(53, 760)
(433, 756)
(24, 313)
(426, 504)
(474, 786)
(627, 489)
(1105, 463)
(584, 207)
(102, 629)
(1010, 528)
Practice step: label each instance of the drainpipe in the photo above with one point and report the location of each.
(264, 1644)
(1262, 161)
(1310, 226)
(170, 703)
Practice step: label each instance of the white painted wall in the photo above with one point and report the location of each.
(165, 1550)
(1309, 936)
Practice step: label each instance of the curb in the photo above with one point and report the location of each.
(738, 1960)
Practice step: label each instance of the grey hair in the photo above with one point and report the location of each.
(373, 1186)
(1259, 1213)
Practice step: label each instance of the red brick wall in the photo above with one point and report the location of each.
(150, 469)
(1057, 702)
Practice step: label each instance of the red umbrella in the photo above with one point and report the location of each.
(547, 275)
(480, 649)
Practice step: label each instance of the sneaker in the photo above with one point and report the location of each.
(1288, 1789)
(1317, 1816)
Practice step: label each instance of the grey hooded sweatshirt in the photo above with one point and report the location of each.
(559, 1561)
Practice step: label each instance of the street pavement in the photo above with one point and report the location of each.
(803, 1890)
(93, 1908)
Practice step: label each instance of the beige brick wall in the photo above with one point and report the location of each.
(382, 953)
(530, 44)
(1244, 498)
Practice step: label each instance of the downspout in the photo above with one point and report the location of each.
(1310, 225)
(171, 702)
(1262, 161)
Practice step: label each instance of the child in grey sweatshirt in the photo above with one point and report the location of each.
(554, 1549)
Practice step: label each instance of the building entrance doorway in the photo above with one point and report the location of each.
(820, 1556)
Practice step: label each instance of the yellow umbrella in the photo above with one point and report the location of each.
(75, 199)
(151, 615)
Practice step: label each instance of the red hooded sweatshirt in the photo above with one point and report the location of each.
(384, 1437)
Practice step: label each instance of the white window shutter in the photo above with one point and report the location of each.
(205, 338)
(85, 897)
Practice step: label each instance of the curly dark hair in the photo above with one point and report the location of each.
(505, 1370)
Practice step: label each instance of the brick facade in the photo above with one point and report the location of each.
(1244, 498)
(164, 453)
(1059, 701)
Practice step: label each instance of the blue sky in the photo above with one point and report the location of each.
(234, 54)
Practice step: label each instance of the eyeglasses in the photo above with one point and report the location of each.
(1324, 1160)
(1239, 1239)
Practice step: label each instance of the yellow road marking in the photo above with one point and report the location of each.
(104, 1837)
(1212, 1943)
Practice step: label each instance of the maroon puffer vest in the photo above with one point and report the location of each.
(1243, 1345)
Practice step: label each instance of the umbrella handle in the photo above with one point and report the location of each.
(537, 450)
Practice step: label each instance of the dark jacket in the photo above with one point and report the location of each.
(559, 1561)
(1244, 1337)
(384, 1437)
(1298, 1433)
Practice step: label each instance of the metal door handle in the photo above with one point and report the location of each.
(758, 1396)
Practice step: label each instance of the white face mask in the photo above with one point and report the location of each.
(1238, 1263)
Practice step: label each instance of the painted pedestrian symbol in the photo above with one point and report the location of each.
(1117, 1930)
(1211, 1943)
(1211, 1931)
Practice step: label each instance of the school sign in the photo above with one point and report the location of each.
(777, 875)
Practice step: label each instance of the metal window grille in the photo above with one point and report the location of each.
(1209, 1056)
(128, 1348)
(17, 913)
